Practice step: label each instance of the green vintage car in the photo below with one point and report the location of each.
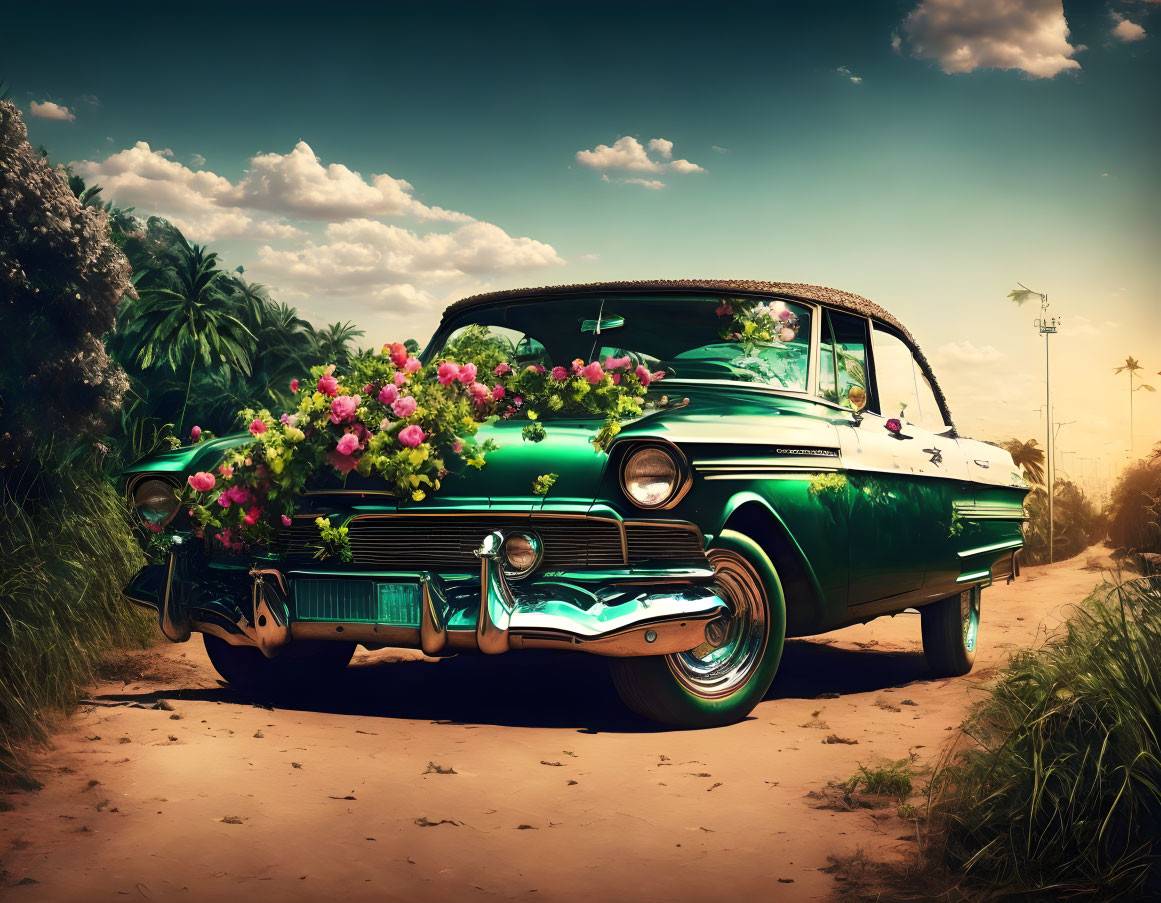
(785, 486)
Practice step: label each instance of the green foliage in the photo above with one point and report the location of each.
(1027, 456)
(828, 484)
(1135, 507)
(1078, 523)
(893, 779)
(543, 483)
(66, 550)
(1060, 793)
(333, 542)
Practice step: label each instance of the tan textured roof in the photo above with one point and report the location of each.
(821, 294)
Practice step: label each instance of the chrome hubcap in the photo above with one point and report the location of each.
(969, 612)
(714, 670)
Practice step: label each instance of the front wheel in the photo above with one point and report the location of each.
(720, 683)
(950, 632)
(300, 666)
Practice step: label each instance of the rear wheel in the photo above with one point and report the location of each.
(951, 631)
(716, 683)
(300, 667)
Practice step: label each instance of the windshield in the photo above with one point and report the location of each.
(765, 342)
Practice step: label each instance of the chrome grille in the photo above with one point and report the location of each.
(394, 542)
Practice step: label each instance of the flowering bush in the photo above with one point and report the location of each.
(752, 322)
(395, 419)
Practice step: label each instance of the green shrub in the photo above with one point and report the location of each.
(66, 551)
(1077, 523)
(1135, 506)
(1060, 795)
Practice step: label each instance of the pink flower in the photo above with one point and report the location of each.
(577, 364)
(498, 393)
(405, 406)
(412, 364)
(448, 372)
(340, 462)
(616, 379)
(458, 446)
(893, 425)
(787, 335)
(534, 368)
(592, 372)
(226, 471)
(784, 315)
(559, 374)
(286, 521)
(388, 394)
(501, 369)
(368, 389)
(224, 500)
(294, 385)
(400, 378)
(659, 374)
(347, 444)
(238, 494)
(257, 427)
(343, 408)
(467, 374)
(615, 363)
(153, 528)
(643, 374)
(328, 385)
(195, 433)
(411, 436)
(398, 354)
(252, 516)
(517, 401)
(479, 392)
(201, 482)
(724, 310)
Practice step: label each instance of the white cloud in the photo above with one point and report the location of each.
(590, 256)
(651, 184)
(197, 161)
(856, 80)
(368, 257)
(298, 185)
(1127, 31)
(955, 354)
(50, 110)
(720, 150)
(896, 42)
(629, 154)
(965, 35)
(662, 147)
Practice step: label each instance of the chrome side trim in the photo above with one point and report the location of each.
(995, 547)
(432, 623)
(496, 601)
(271, 618)
(176, 627)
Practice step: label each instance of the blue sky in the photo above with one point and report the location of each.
(924, 154)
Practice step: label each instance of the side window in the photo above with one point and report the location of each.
(930, 416)
(895, 377)
(842, 357)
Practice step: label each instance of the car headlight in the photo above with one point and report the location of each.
(652, 476)
(155, 502)
(522, 553)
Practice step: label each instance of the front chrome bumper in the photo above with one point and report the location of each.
(629, 613)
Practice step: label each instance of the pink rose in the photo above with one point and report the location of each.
(343, 408)
(559, 374)
(224, 500)
(577, 365)
(724, 310)
(893, 425)
(616, 379)
(294, 385)
(201, 482)
(286, 521)
(388, 394)
(340, 462)
(615, 363)
(347, 444)
(534, 368)
(238, 494)
(226, 471)
(479, 392)
(467, 374)
(328, 385)
(448, 373)
(787, 335)
(412, 364)
(195, 433)
(411, 436)
(592, 372)
(405, 406)
(153, 528)
(458, 446)
(517, 401)
(784, 315)
(644, 375)
(400, 378)
(257, 427)
(498, 393)
(398, 354)
(659, 374)
(252, 516)
(368, 389)
(501, 369)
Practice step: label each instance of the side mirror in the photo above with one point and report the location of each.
(857, 396)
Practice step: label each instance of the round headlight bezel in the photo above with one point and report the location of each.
(648, 455)
(531, 553)
(154, 488)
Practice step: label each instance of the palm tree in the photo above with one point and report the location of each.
(332, 342)
(1132, 366)
(1028, 456)
(185, 311)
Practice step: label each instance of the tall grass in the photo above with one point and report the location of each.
(1060, 794)
(66, 551)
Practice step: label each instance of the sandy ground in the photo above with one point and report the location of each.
(514, 778)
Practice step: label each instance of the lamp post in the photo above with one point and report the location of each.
(1047, 328)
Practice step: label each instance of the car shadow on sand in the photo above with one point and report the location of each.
(540, 689)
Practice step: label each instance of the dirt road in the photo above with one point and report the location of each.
(516, 778)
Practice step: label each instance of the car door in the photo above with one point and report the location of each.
(902, 473)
